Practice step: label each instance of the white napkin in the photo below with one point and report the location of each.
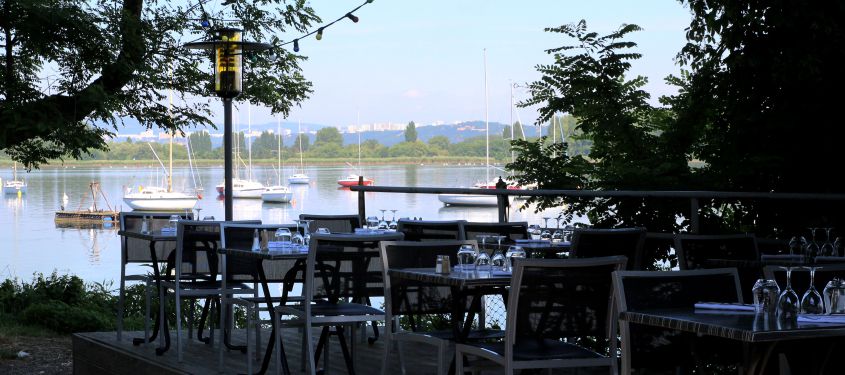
(724, 306)
(500, 273)
(821, 318)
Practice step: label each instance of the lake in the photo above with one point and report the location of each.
(32, 242)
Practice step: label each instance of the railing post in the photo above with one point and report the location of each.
(502, 202)
(694, 224)
(362, 209)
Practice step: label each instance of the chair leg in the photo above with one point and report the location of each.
(309, 346)
(385, 357)
(442, 354)
(249, 348)
(401, 356)
(178, 327)
(120, 302)
(277, 322)
(221, 355)
(257, 310)
(147, 306)
(459, 362)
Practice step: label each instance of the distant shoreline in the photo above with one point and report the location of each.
(437, 160)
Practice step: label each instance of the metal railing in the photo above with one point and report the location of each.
(502, 196)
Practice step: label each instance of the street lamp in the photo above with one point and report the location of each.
(228, 48)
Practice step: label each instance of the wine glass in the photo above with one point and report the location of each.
(466, 257)
(811, 302)
(382, 224)
(296, 238)
(307, 237)
(482, 261)
(546, 222)
(812, 248)
(796, 245)
(499, 240)
(838, 245)
(198, 209)
(788, 302)
(499, 262)
(283, 235)
(827, 247)
(482, 238)
(393, 225)
(514, 251)
(557, 236)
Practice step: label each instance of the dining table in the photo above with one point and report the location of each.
(257, 258)
(153, 238)
(760, 334)
(468, 289)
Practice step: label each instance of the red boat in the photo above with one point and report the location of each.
(352, 180)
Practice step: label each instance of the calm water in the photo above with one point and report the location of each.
(31, 241)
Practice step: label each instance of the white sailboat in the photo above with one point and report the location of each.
(278, 193)
(14, 186)
(299, 177)
(354, 179)
(244, 188)
(155, 198)
(477, 199)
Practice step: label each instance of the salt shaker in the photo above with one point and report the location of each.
(834, 297)
(145, 226)
(446, 264)
(438, 267)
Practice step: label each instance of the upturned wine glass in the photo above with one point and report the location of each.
(534, 231)
(514, 251)
(811, 302)
(812, 248)
(499, 262)
(788, 302)
(393, 224)
(466, 257)
(557, 236)
(372, 222)
(827, 246)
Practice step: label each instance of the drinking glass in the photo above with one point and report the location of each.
(283, 235)
(796, 245)
(307, 237)
(482, 238)
(498, 262)
(546, 235)
(514, 251)
(499, 240)
(557, 236)
(765, 294)
(296, 237)
(466, 257)
(372, 222)
(482, 261)
(198, 209)
(534, 231)
(546, 222)
(382, 224)
(788, 302)
(811, 302)
(173, 220)
(838, 246)
(827, 247)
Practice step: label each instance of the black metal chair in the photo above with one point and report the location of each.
(592, 242)
(195, 269)
(136, 251)
(696, 251)
(426, 230)
(551, 304)
(649, 349)
(419, 302)
(339, 280)
(334, 223)
(513, 231)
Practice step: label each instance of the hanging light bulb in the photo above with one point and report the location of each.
(369, 1)
(320, 34)
(352, 17)
(296, 45)
(205, 23)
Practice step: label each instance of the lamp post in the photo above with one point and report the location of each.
(228, 50)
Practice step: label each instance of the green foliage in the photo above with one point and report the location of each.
(328, 135)
(411, 132)
(416, 149)
(200, 144)
(71, 70)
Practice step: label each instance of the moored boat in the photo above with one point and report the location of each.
(277, 194)
(156, 198)
(14, 186)
(299, 178)
(352, 180)
(90, 215)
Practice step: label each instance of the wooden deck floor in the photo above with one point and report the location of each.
(101, 353)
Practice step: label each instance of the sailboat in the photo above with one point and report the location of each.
(354, 179)
(278, 193)
(244, 188)
(301, 177)
(91, 214)
(155, 198)
(14, 186)
(477, 199)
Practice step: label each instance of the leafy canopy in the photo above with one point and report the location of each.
(71, 70)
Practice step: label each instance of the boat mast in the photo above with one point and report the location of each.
(299, 135)
(279, 130)
(246, 136)
(172, 134)
(358, 125)
(486, 124)
(513, 153)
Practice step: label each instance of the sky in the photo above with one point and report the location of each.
(423, 61)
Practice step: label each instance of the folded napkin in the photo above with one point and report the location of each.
(168, 230)
(369, 231)
(821, 318)
(533, 241)
(500, 273)
(724, 306)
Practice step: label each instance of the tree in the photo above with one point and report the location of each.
(201, 144)
(265, 146)
(440, 143)
(71, 71)
(411, 132)
(303, 139)
(506, 132)
(329, 134)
